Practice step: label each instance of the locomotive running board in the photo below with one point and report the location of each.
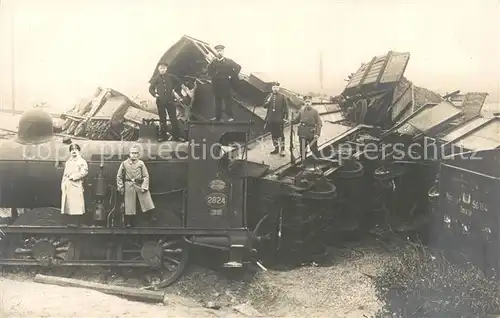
(119, 231)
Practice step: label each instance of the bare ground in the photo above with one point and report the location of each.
(341, 288)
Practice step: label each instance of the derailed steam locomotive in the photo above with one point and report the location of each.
(200, 199)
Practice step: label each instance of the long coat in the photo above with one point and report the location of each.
(310, 123)
(224, 74)
(72, 199)
(277, 108)
(133, 178)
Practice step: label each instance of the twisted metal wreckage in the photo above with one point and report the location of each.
(276, 206)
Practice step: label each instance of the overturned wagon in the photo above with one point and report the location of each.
(107, 115)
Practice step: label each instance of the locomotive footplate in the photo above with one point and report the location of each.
(95, 230)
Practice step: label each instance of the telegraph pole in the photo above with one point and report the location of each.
(13, 62)
(321, 70)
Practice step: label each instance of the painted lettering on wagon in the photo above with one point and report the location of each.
(467, 204)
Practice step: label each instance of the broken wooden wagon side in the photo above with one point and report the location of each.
(378, 94)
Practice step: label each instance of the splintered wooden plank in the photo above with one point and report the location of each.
(473, 103)
(464, 129)
(375, 70)
(395, 68)
(358, 76)
(110, 107)
(136, 115)
(400, 105)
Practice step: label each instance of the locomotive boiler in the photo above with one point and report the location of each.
(199, 200)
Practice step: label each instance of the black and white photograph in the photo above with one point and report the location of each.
(236, 158)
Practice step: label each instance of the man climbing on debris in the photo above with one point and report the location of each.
(224, 73)
(277, 115)
(132, 181)
(162, 87)
(72, 199)
(309, 128)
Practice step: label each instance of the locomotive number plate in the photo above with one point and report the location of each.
(216, 200)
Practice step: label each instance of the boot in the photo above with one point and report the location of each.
(163, 133)
(282, 152)
(276, 147)
(129, 221)
(282, 148)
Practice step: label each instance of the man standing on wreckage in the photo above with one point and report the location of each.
(309, 128)
(162, 87)
(277, 115)
(224, 73)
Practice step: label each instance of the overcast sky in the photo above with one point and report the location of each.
(65, 49)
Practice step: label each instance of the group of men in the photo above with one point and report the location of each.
(132, 178)
(308, 119)
(224, 73)
(132, 182)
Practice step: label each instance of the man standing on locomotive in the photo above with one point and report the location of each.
(224, 73)
(309, 128)
(132, 181)
(161, 87)
(72, 199)
(277, 114)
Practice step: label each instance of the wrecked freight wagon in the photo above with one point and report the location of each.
(358, 163)
(378, 94)
(107, 115)
(418, 144)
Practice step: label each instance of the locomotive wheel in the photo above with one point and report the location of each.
(51, 249)
(168, 259)
(268, 233)
(45, 248)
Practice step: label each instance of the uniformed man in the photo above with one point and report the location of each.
(309, 128)
(161, 87)
(223, 72)
(132, 181)
(277, 115)
(72, 199)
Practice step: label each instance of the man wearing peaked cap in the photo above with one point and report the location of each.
(162, 87)
(309, 128)
(72, 198)
(224, 73)
(277, 114)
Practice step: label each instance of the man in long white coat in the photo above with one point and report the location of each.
(132, 181)
(72, 200)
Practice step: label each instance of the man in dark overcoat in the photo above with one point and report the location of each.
(224, 73)
(277, 114)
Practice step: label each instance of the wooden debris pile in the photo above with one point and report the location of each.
(107, 115)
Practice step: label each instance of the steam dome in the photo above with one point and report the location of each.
(35, 126)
